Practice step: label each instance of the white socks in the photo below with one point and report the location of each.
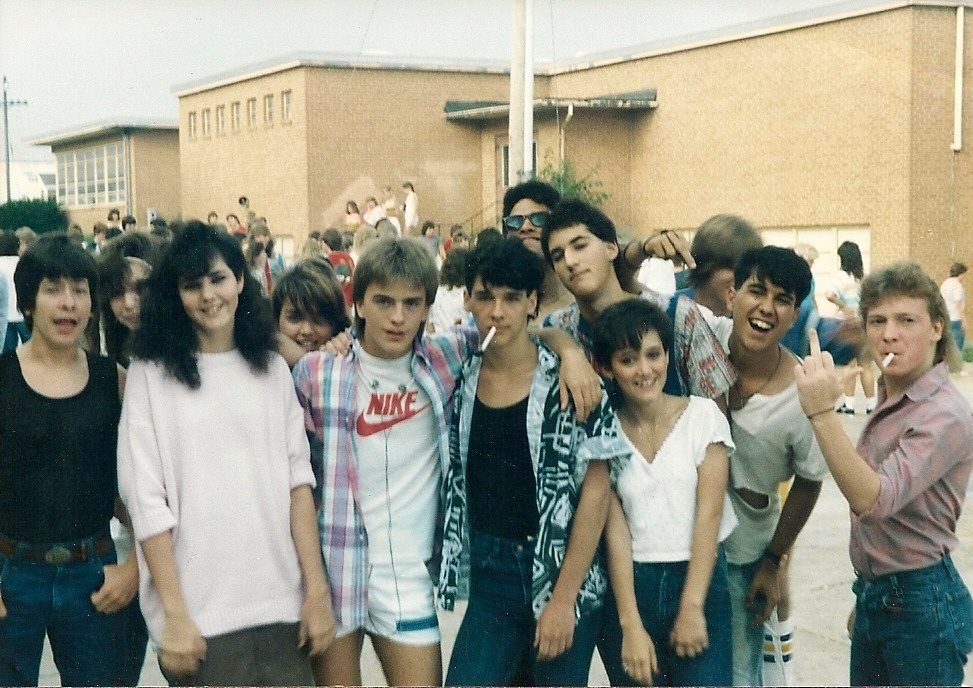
(778, 652)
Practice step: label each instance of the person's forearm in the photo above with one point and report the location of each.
(797, 509)
(304, 532)
(618, 546)
(857, 481)
(702, 555)
(159, 559)
(559, 341)
(586, 529)
(712, 475)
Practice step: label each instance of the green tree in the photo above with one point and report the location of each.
(564, 176)
(40, 215)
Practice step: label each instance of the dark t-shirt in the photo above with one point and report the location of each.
(57, 456)
(500, 482)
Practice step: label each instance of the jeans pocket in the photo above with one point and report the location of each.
(960, 610)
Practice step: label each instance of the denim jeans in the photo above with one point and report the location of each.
(912, 628)
(495, 642)
(658, 590)
(748, 642)
(130, 642)
(55, 600)
(956, 326)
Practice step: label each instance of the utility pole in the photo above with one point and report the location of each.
(6, 133)
(528, 167)
(516, 134)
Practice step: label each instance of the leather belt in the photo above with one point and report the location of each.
(64, 553)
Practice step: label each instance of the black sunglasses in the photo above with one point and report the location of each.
(538, 219)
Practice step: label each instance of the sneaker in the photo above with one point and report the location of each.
(846, 409)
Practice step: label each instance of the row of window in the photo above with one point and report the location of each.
(203, 126)
(91, 176)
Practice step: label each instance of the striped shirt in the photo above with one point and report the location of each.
(921, 446)
(326, 387)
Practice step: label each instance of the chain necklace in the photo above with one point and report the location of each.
(737, 400)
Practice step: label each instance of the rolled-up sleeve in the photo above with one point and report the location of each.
(141, 470)
(926, 452)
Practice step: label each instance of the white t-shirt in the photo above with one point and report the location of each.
(8, 264)
(774, 442)
(955, 297)
(447, 308)
(659, 498)
(848, 289)
(398, 461)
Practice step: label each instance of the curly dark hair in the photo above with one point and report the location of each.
(168, 336)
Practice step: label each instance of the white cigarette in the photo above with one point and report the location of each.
(887, 360)
(488, 339)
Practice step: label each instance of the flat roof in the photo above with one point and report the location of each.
(481, 110)
(103, 128)
(337, 61)
(844, 9)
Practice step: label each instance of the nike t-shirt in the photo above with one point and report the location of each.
(398, 461)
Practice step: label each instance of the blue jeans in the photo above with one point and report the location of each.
(748, 642)
(956, 326)
(495, 642)
(912, 628)
(130, 642)
(46, 599)
(658, 590)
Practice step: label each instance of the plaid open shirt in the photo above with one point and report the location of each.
(326, 386)
(698, 364)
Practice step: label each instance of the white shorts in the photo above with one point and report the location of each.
(401, 607)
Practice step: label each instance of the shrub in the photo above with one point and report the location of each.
(40, 215)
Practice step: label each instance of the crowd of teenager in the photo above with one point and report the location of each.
(255, 466)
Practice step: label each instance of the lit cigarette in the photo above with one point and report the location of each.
(488, 339)
(887, 360)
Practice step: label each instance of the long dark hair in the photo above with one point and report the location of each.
(168, 336)
(114, 273)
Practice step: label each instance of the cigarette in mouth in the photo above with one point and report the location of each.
(488, 339)
(887, 360)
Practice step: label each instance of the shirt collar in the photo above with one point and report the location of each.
(925, 386)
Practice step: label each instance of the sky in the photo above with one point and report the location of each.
(80, 61)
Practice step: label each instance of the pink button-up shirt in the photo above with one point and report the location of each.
(921, 446)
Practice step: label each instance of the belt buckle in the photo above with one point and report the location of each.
(57, 556)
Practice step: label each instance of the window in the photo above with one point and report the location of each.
(192, 125)
(252, 112)
(285, 106)
(205, 120)
(91, 176)
(268, 109)
(235, 115)
(220, 119)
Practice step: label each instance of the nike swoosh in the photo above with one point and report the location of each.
(364, 428)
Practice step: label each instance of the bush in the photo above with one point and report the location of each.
(40, 215)
(564, 176)
(968, 355)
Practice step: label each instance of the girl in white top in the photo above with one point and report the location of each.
(845, 295)
(214, 467)
(664, 530)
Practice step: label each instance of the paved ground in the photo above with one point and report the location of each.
(821, 585)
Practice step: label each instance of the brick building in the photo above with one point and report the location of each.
(131, 165)
(828, 125)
